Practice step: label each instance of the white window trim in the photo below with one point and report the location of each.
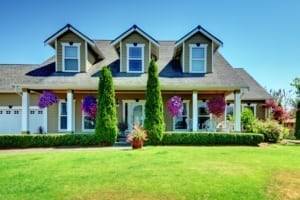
(143, 58)
(59, 110)
(209, 115)
(187, 119)
(254, 105)
(204, 46)
(63, 56)
(82, 123)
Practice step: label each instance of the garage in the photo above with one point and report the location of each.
(11, 120)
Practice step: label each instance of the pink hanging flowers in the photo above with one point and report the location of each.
(46, 99)
(175, 106)
(216, 106)
(89, 107)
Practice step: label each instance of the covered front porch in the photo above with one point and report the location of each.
(67, 115)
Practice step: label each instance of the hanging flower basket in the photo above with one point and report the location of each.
(89, 107)
(46, 99)
(216, 106)
(175, 106)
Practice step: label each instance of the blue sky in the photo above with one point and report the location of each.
(261, 36)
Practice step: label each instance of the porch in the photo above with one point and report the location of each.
(67, 115)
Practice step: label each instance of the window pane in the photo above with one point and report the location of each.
(229, 112)
(71, 52)
(63, 122)
(63, 108)
(71, 64)
(135, 65)
(180, 123)
(135, 52)
(184, 112)
(202, 109)
(197, 65)
(198, 53)
(201, 121)
(88, 123)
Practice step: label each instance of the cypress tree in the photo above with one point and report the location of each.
(154, 116)
(297, 128)
(106, 122)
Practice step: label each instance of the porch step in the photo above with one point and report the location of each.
(122, 144)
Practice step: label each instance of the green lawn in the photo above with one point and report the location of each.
(271, 172)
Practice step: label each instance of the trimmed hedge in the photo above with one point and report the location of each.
(204, 138)
(26, 141)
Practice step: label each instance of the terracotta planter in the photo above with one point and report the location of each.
(137, 144)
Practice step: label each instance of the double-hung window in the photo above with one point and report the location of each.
(203, 114)
(71, 57)
(63, 116)
(135, 58)
(251, 107)
(198, 58)
(182, 122)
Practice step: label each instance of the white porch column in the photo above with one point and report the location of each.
(25, 111)
(195, 111)
(70, 111)
(237, 111)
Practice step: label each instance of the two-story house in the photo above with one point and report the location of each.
(190, 67)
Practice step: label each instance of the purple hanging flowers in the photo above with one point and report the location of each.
(175, 106)
(46, 99)
(89, 107)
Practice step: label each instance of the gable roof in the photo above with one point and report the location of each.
(131, 30)
(201, 30)
(66, 28)
(255, 91)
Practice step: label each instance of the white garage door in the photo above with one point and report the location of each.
(11, 120)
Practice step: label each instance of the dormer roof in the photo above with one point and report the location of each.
(132, 29)
(68, 27)
(199, 29)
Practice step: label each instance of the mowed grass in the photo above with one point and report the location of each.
(271, 172)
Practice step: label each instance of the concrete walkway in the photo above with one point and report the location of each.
(45, 149)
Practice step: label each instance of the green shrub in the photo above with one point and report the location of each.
(199, 138)
(247, 118)
(271, 129)
(154, 116)
(25, 141)
(106, 122)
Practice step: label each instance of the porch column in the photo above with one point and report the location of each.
(237, 111)
(25, 111)
(70, 111)
(195, 111)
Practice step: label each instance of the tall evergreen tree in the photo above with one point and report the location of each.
(297, 128)
(154, 116)
(106, 122)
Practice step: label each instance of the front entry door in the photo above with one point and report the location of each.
(136, 114)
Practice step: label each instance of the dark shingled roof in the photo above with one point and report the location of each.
(224, 77)
(255, 92)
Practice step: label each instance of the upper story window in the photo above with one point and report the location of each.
(71, 57)
(135, 58)
(198, 58)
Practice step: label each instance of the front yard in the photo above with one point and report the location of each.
(271, 172)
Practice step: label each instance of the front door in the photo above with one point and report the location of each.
(136, 114)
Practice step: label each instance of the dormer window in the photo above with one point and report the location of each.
(71, 57)
(135, 58)
(198, 58)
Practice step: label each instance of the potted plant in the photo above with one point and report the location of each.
(137, 137)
